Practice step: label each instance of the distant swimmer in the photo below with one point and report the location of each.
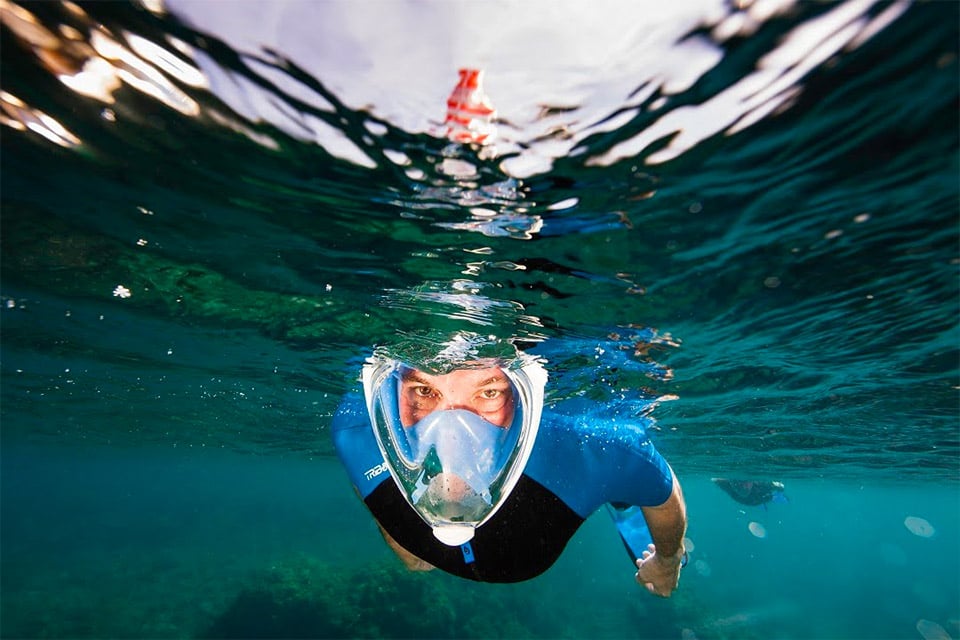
(752, 492)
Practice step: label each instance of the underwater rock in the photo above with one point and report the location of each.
(752, 492)
(303, 597)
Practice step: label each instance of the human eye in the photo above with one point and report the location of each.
(423, 391)
(494, 397)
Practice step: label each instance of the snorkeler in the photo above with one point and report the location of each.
(464, 471)
(752, 492)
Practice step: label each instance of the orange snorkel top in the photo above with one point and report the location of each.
(470, 113)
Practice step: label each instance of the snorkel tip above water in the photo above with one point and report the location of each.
(470, 113)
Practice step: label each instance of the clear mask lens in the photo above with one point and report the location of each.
(456, 444)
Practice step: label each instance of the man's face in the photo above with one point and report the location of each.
(486, 392)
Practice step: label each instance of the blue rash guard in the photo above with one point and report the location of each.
(577, 465)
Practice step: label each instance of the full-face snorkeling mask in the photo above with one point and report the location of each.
(457, 442)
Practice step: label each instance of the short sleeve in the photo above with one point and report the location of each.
(356, 446)
(587, 463)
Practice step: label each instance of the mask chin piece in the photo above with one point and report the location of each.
(453, 535)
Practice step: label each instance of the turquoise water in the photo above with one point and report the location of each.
(193, 270)
(113, 542)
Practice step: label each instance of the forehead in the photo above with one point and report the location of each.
(467, 377)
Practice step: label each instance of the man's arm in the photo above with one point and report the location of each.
(412, 562)
(659, 568)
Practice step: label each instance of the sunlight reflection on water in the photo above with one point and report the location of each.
(558, 102)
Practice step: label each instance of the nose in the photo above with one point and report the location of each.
(452, 406)
(452, 400)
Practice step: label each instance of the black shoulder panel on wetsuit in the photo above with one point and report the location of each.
(523, 539)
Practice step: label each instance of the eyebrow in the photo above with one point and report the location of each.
(413, 376)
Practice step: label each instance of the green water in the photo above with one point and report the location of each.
(166, 463)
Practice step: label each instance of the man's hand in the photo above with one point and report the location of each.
(659, 574)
